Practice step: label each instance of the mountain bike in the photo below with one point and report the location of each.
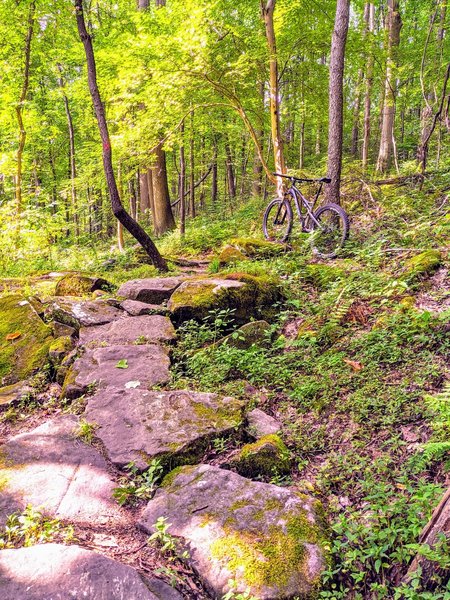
(328, 225)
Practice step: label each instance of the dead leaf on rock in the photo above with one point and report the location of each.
(13, 336)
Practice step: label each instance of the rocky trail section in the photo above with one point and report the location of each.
(266, 539)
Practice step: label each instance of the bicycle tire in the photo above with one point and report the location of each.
(278, 205)
(330, 241)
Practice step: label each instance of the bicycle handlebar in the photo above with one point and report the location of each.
(322, 180)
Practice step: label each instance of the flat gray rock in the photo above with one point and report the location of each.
(152, 291)
(56, 473)
(77, 313)
(261, 424)
(135, 308)
(266, 538)
(57, 572)
(144, 330)
(136, 425)
(121, 367)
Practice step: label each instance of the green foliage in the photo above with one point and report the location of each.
(31, 527)
(138, 485)
(167, 543)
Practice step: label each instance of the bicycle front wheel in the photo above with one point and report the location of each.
(330, 232)
(277, 221)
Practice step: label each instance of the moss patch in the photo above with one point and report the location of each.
(76, 284)
(264, 457)
(21, 356)
(258, 248)
(422, 264)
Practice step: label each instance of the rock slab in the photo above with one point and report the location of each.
(24, 339)
(151, 291)
(76, 313)
(266, 538)
(120, 367)
(138, 426)
(57, 572)
(144, 330)
(55, 472)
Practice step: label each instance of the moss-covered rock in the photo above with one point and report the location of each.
(252, 247)
(266, 456)
(268, 540)
(59, 349)
(255, 332)
(249, 296)
(77, 284)
(230, 255)
(24, 340)
(425, 263)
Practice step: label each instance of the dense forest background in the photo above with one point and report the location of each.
(185, 86)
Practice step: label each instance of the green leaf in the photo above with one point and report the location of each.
(122, 364)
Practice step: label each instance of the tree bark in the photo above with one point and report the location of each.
(267, 9)
(163, 219)
(20, 106)
(369, 17)
(214, 173)
(118, 210)
(336, 100)
(192, 169)
(393, 27)
(231, 180)
(182, 184)
(259, 132)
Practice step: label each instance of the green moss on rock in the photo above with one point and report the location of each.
(230, 255)
(267, 455)
(425, 263)
(77, 284)
(21, 356)
(252, 247)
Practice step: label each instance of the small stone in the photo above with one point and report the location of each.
(151, 291)
(142, 330)
(58, 572)
(267, 539)
(62, 330)
(12, 394)
(137, 309)
(148, 365)
(137, 425)
(261, 424)
(266, 457)
(76, 284)
(55, 472)
(60, 348)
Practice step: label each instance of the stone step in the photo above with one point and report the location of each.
(141, 330)
(58, 572)
(78, 313)
(176, 426)
(119, 367)
(267, 539)
(152, 291)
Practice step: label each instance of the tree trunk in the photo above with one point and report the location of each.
(182, 184)
(267, 9)
(214, 173)
(336, 100)
(118, 210)
(230, 171)
(393, 26)
(301, 153)
(369, 17)
(355, 128)
(163, 219)
(259, 132)
(192, 170)
(72, 163)
(144, 196)
(19, 109)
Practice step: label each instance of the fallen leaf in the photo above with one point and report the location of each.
(122, 364)
(13, 336)
(355, 365)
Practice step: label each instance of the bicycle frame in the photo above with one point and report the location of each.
(300, 200)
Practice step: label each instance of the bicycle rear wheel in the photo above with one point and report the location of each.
(328, 237)
(277, 221)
